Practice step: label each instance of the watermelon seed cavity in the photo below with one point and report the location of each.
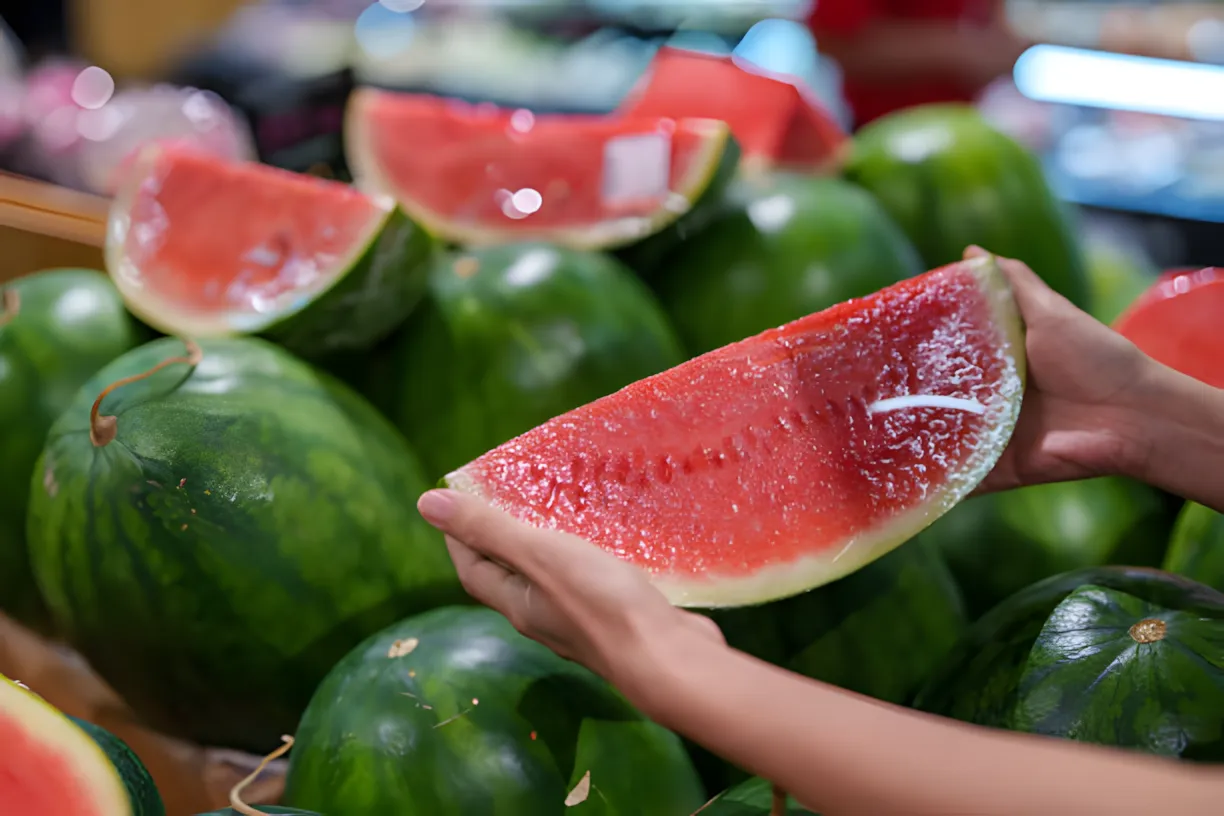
(12, 305)
(235, 796)
(1149, 630)
(102, 429)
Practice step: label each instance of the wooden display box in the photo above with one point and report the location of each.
(44, 226)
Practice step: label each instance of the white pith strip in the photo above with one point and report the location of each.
(927, 401)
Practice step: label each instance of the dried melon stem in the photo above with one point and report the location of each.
(778, 808)
(235, 796)
(102, 429)
(11, 303)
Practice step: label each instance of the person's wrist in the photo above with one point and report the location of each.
(658, 660)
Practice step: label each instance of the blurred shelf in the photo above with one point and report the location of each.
(44, 226)
(1171, 30)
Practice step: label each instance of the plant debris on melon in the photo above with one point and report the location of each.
(479, 174)
(54, 765)
(787, 460)
(203, 247)
(775, 122)
(1177, 322)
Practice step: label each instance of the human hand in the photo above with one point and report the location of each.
(1078, 418)
(585, 604)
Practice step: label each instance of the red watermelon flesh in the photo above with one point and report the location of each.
(786, 460)
(1177, 322)
(203, 246)
(477, 173)
(773, 120)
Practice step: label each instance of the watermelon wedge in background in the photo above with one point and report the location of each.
(479, 174)
(1177, 322)
(55, 764)
(775, 122)
(204, 247)
(790, 459)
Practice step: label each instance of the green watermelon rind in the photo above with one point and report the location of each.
(371, 291)
(117, 781)
(794, 577)
(708, 172)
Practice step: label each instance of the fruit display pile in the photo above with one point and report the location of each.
(706, 330)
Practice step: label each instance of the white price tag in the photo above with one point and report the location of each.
(636, 168)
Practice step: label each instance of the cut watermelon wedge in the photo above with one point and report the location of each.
(785, 461)
(775, 122)
(1177, 322)
(479, 174)
(204, 247)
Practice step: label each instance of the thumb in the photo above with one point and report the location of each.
(484, 529)
(1033, 295)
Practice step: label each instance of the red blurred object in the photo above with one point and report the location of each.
(774, 120)
(1179, 321)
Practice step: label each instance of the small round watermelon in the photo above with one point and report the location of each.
(453, 712)
(514, 335)
(206, 247)
(783, 247)
(1196, 549)
(1177, 322)
(950, 179)
(479, 175)
(56, 765)
(754, 797)
(215, 536)
(998, 544)
(57, 328)
(1120, 656)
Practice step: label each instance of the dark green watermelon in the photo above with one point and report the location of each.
(998, 544)
(57, 328)
(251, 521)
(755, 797)
(1118, 273)
(1196, 549)
(950, 179)
(453, 713)
(511, 336)
(146, 799)
(784, 246)
(1119, 656)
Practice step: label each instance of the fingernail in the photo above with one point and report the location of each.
(436, 506)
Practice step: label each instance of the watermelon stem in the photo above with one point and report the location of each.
(235, 796)
(12, 305)
(102, 429)
(778, 808)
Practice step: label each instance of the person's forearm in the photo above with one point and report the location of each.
(1180, 422)
(841, 754)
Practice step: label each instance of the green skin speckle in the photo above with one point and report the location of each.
(62, 325)
(145, 798)
(1002, 542)
(949, 179)
(784, 246)
(1118, 656)
(251, 521)
(454, 713)
(1197, 546)
(751, 798)
(512, 336)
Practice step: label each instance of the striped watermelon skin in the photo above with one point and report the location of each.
(58, 328)
(251, 521)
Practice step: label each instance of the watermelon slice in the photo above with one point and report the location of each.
(205, 247)
(785, 461)
(775, 122)
(479, 174)
(1177, 322)
(60, 766)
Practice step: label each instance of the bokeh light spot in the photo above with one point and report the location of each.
(93, 88)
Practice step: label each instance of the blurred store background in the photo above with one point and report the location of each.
(1124, 102)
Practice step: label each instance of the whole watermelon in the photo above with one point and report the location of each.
(250, 521)
(754, 797)
(1000, 543)
(511, 336)
(950, 179)
(879, 631)
(1119, 272)
(57, 328)
(1196, 549)
(784, 246)
(1121, 656)
(453, 713)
